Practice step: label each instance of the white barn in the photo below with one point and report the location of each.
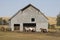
(28, 17)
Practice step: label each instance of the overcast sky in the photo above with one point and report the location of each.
(48, 7)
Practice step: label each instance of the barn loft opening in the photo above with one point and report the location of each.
(32, 19)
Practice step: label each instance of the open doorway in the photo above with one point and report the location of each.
(16, 26)
(29, 27)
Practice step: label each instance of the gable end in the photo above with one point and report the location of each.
(25, 8)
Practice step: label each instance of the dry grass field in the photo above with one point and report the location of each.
(29, 36)
(52, 35)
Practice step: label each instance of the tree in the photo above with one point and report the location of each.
(58, 19)
(1, 21)
(5, 22)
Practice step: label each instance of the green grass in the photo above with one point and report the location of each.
(29, 36)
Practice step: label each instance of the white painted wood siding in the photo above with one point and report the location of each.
(25, 17)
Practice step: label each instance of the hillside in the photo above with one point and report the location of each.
(51, 20)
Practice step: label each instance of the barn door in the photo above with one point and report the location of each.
(16, 26)
(29, 26)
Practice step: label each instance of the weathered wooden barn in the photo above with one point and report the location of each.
(27, 18)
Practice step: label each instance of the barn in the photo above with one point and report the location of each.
(28, 18)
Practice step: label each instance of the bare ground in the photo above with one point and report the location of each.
(29, 36)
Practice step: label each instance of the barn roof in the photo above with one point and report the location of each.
(29, 6)
(25, 8)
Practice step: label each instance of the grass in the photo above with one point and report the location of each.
(29, 36)
(52, 35)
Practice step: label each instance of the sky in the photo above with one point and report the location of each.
(48, 7)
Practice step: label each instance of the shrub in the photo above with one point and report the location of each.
(2, 29)
(52, 26)
(8, 29)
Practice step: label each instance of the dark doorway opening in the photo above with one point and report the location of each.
(16, 26)
(29, 26)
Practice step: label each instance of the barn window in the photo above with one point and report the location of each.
(33, 19)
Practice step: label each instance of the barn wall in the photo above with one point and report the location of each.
(41, 25)
(25, 17)
(15, 21)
